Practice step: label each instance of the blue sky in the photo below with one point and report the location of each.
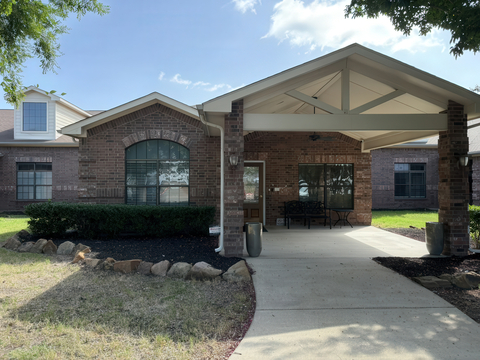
(193, 51)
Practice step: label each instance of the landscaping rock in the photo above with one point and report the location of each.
(80, 256)
(144, 267)
(26, 246)
(432, 282)
(202, 271)
(12, 244)
(237, 272)
(65, 248)
(161, 268)
(126, 266)
(108, 263)
(37, 248)
(468, 280)
(179, 270)
(92, 262)
(22, 236)
(80, 247)
(50, 248)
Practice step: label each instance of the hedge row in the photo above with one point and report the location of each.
(93, 221)
(475, 224)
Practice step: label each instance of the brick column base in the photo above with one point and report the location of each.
(453, 188)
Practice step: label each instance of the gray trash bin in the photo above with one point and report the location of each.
(434, 237)
(254, 231)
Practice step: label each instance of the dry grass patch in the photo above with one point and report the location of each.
(52, 310)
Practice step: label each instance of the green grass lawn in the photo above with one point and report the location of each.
(11, 225)
(51, 309)
(402, 218)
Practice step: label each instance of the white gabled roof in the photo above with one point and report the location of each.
(79, 129)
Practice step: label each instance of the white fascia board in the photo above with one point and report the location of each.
(79, 128)
(222, 103)
(344, 122)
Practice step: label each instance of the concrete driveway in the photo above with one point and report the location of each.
(320, 296)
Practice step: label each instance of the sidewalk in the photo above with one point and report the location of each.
(320, 296)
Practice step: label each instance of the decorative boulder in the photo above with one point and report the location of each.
(161, 268)
(108, 264)
(92, 262)
(237, 272)
(22, 236)
(432, 282)
(468, 280)
(26, 246)
(144, 267)
(179, 270)
(126, 266)
(37, 248)
(12, 244)
(80, 247)
(65, 248)
(80, 256)
(50, 248)
(202, 271)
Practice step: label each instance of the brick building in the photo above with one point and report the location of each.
(306, 133)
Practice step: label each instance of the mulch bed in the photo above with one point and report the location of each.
(187, 249)
(467, 301)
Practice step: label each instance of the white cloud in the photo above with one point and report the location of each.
(323, 24)
(178, 80)
(201, 83)
(246, 5)
(160, 77)
(219, 86)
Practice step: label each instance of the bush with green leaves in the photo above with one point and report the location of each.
(475, 225)
(95, 221)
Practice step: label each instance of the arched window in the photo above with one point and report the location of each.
(157, 173)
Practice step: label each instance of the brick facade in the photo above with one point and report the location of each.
(64, 173)
(383, 182)
(282, 152)
(102, 155)
(475, 168)
(453, 187)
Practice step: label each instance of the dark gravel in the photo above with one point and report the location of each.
(179, 249)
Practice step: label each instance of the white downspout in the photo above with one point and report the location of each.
(222, 172)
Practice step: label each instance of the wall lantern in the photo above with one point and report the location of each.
(233, 160)
(463, 160)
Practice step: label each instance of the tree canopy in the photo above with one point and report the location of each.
(460, 17)
(30, 28)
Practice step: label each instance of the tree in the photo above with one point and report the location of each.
(30, 28)
(460, 17)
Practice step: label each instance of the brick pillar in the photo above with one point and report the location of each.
(453, 182)
(233, 238)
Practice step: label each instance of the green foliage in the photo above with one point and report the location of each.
(475, 225)
(92, 221)
(460, 17)
(30, 28)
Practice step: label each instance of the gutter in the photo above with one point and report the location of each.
(203, 119)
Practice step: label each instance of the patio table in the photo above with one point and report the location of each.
(343, 216)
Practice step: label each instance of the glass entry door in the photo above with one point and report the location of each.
(253, 192)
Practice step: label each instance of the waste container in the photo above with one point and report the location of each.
(254, 231)
(434, 237)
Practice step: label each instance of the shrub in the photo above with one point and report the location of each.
(475, 225)
(93, 221)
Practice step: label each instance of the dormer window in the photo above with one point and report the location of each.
(34, 116)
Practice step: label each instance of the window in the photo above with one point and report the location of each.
(34, 181)
(410, 181)
(34, 116)
(157, 173)
(330, 183)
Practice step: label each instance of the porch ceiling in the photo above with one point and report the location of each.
(356, 91)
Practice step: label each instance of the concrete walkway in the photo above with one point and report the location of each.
(320, 296)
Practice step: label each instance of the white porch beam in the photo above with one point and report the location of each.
(291, 84)
(344, 122)
(345, 90)
(314, 102)
(319, 93)
(376, 102)
(395, 138)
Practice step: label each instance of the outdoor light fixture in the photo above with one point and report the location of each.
(233, 160)
(463, 160)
